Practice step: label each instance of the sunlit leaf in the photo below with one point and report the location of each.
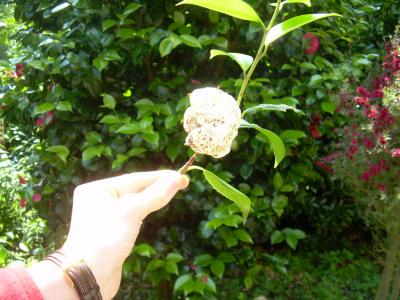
(289, 25)
(243, 60)
(235, 8)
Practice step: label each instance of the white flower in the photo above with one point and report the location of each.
(212, 122)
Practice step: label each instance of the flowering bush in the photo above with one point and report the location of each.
(367, 157)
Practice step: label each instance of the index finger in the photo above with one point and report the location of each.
(131, 183)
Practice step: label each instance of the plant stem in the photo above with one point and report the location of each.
(262, 51)
(190, 162)
(396, 284)
(392, 252)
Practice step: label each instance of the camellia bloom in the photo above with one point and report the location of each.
(314, 43)
(36, 197)
(212, 122)
(39, 122)
(22, 203)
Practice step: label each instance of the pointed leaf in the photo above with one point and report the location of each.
(243, 60)
(181, 281)
(289, 25)
(272, 107)
(236, 8)
(60, 150)
(109, 101)
(228, 191)
(190, 41)
(276, 143)
(218, 268)
(43, 108)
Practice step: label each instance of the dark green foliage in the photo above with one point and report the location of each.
(116, 74)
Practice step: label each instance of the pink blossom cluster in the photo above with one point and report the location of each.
(313, 43)
(364, 153)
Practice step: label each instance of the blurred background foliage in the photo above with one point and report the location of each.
(103, 91)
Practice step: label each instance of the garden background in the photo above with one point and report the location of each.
(91, 90)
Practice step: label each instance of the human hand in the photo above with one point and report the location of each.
(106, 219)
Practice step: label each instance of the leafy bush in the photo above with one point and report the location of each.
(104, 87)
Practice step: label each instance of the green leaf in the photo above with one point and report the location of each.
(190, 41)
(92, 152)
(64, 106)
(289, 25)
(277, 181)
(24, 247)
(109, 101)
(292, 136)
(279, 203)
(166, 47)
(329, 107)
(276, 143)
(277, 237)
(203, 260)
(218, 268)
(272, 107)
(154, 264)
(315, 81)
(308, 66)
(243, 236)
(228, 191)
(292, 236)
(248, 282)
(130, 128)
(43, 108)
(236, 8)
(243, 60)
(110, 119)
(131, 8)
(181, 281)
(171, 267)
(108, 24)
(152, 137)
(174, 257)
(100, 63)
(3, 255)
(60, 7)
(110, 55)
(144, 250)
(60, 150)
(37, 64)
(119, 161)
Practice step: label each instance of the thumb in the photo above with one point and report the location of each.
(158, 194)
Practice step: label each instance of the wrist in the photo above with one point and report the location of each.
(50, 280)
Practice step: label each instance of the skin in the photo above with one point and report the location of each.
(106, 219)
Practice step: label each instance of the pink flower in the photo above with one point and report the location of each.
(396, 153)
(22, 203)
(21, 179)
(39, 122)
(363, 92)
(314, 43)
(36, 197)
(50, 114)
(381, 187)
(19, 70)
(314, 131)
(204, 278)
(368, 143)
(377, 93)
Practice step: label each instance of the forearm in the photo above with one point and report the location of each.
(50, 280)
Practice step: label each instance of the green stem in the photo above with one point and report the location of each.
(262, 51)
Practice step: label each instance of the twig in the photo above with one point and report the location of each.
(190, 162)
